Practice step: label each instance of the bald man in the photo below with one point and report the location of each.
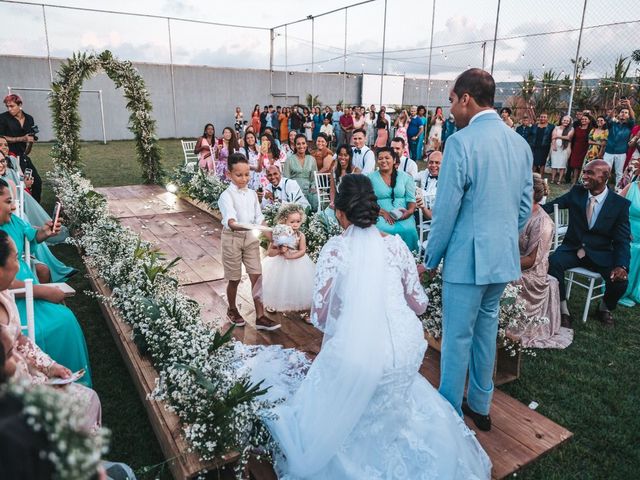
(598, 238)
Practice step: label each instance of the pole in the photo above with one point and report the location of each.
(104, 132)
(46, 38)
(495, 38)
(286, 67)
(384, 41)
(575, 68)
(271, 39)
(344, 60)
(173, 82)
(484, 53)
(313, 39)
(433, 19)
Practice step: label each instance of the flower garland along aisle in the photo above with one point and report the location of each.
(511, 317)
(65, 93)
(74, 452)
(197, 365)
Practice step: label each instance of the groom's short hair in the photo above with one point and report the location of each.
(478, 84)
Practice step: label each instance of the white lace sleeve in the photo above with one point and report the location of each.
(414, 292)
(329, 261)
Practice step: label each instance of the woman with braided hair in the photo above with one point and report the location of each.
(396, 192)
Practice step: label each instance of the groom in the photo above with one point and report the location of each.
(486, 179)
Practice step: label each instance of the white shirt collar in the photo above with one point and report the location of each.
(601, 196)
(237, 189)
(482, 112)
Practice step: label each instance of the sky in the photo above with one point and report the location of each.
(460, 27)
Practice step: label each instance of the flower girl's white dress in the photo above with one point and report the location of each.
(287, 284)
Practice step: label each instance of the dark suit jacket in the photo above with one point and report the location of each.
(607, 244)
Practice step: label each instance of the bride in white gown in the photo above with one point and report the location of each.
(363, 410)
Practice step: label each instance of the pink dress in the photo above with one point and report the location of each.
(540, 290)
(401, 132)
(32, 364)
(205, 155)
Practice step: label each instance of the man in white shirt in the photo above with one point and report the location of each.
(363, 156)
(327, 128)
(429, 184)
(282, 190)
(405, 164)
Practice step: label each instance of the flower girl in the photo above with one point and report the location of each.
(287, 272)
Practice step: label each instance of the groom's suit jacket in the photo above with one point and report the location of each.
(484, 199)
(607, 243)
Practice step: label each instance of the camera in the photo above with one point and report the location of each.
(33, 131)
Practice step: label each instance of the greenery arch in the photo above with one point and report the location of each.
(66, 120)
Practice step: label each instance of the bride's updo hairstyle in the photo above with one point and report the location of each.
(357, 200)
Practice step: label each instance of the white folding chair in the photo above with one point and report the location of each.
(561, 221)
(188, 147)
(323, 189)
(424, 227)
(595, 282)
(28, 295)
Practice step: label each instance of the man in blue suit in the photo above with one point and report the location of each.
(484, 198)
(598, 238)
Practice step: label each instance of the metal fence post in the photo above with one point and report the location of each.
(173, 82)
(384, 41)
(575, 68)
(46, 38)
(433, 19)
(495, 38)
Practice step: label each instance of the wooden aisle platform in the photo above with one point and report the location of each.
(519, 435)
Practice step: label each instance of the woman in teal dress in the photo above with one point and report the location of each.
(396, 192)
(35, 214)
(38, 217)
(422, 113)
(632, 193)
(300, 167)
(56, 327)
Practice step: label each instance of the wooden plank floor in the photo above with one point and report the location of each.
(519, 435)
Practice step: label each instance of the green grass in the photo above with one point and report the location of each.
(591, 388)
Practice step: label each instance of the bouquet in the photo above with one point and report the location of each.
(284, 236)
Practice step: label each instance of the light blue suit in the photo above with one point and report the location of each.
(484, 199)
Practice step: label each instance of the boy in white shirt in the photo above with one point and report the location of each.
(239, 205)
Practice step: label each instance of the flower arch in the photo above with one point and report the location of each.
(66, 120)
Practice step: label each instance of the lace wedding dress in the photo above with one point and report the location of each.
(363, 410)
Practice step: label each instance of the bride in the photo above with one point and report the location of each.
(363, 410)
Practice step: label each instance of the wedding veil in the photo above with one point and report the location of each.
(313, 425)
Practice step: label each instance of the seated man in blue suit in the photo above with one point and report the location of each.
(597, 237)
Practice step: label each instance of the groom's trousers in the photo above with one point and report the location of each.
(469, 332)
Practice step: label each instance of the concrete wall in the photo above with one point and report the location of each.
(203, 95)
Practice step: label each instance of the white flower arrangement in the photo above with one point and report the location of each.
(197, 365)
(283, 235)
(511, 317)
(74, 451)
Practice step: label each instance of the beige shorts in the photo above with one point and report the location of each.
(238, 248)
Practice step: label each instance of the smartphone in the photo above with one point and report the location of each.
(28, 173)
(56, 213)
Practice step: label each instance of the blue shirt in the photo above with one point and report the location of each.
(619, 133)
(414, 126)
(524, 131)
(335, 119)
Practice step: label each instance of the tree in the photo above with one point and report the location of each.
(615, 85)
(313, 101)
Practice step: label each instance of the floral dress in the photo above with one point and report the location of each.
(33, 365)
(596, 135)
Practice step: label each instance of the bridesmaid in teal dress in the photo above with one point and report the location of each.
(36, 216)
(632, 193)
(56, 327)
(300, 167)
(395, 191)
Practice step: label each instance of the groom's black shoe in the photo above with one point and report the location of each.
(483, 422)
